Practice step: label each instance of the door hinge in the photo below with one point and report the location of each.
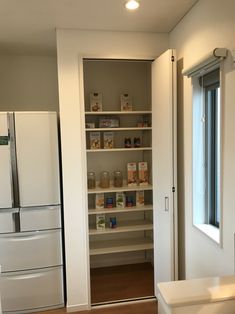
(173, 189)
(172, 58)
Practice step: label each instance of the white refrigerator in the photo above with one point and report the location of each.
(30, 213)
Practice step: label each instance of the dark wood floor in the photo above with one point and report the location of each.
(121, 282)
(149, 307)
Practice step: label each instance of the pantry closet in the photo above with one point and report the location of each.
(122, 114)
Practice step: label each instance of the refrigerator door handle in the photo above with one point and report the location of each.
(14, 174)
(16, 219)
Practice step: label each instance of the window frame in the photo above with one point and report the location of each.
(205, 219)
(212, 148)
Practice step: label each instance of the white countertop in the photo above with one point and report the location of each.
(195, 291)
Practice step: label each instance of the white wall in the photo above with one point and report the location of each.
(70, 45)
(208, 25)
(28, 83)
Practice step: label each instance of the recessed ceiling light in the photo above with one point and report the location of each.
(132, 5)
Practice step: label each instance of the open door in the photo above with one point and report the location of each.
(164, 167)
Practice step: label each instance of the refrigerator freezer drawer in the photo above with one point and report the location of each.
(30, 250)
(40, 218)
(28, 290)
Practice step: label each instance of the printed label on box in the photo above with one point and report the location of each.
(108, 140)
(100, 222)
(99, 200)
(95, 140)
(120, 200)
(131, 174)
(96, 102)
(143, 173)
(139, 198)
(126, 102)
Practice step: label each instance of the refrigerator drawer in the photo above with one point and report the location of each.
(30, 250)
(29, 290)
(40, 218)
(9, 220)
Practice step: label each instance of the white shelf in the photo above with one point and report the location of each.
(121, 149)
(134, 225)
(118, 246)
(121, 189)
(119, 129)
(94, 211)
(102, 113)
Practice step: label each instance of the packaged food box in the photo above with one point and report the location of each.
(96, 102)
(131, 174)
(99, 200)
(126, 102)
(100, 222)
(108, 140)
(90, 125)
(120, 200)
(95, 140)
(139, 198)
(143, 173)
(109, 122)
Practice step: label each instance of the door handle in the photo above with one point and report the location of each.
(166, 204)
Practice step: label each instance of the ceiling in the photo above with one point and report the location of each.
(28, 26)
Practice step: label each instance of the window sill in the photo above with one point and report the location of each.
(211, 231)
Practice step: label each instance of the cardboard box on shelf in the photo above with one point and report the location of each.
(100, 222)
(99, 200)
(139, 198)
(95, 140)
(131, 174)
(126, 102)
(96, 101)
(143, 173)
(120, 199)
(108, 140)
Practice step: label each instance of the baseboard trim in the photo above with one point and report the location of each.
(77, 308)
(124, 301)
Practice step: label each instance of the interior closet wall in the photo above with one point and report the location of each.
(28, 83)
(208, 25)
(72, 44)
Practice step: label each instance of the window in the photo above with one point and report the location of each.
(212, 152)
(206, 153)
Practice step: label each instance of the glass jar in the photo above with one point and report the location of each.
(117, 179)
(91, 181)
(104, 179)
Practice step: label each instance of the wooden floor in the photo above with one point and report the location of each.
(149, 307)
(121, 282)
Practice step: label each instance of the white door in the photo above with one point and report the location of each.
(5, 164)
(37, 158)
(164, 167)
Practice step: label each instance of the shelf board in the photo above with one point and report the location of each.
(119, 129)
(128, 226)
(120, 149)
(121, 189)
(118, 246)
(101, 113)
(94, 211)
